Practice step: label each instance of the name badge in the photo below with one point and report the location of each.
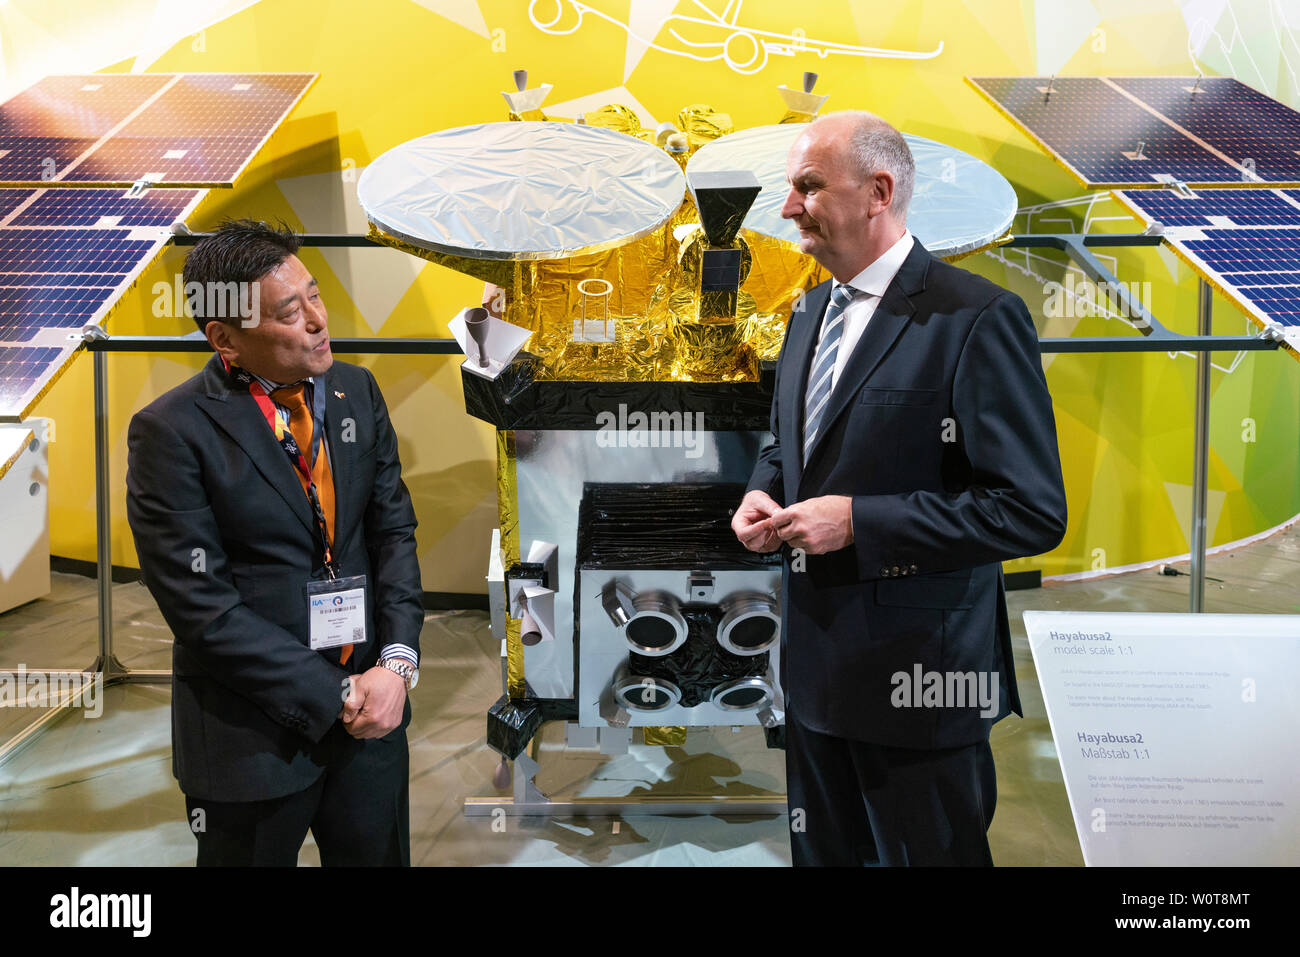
(337, 612)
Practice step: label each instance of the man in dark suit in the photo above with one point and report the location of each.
(914, 450)
(272, 473)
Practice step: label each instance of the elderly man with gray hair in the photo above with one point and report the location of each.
(914, 450)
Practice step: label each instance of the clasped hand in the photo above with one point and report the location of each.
(374, 706)
(817, 525)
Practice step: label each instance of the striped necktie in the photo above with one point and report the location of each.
(819, 379)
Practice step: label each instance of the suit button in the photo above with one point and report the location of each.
(895, 570)
(913, 569)
(884, 572)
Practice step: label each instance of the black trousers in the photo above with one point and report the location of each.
(358, 810)
(854, 804)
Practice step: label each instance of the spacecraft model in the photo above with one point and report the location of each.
(643, 278)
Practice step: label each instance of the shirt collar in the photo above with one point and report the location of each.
(270, 386)
(266, 384)
(875, 279)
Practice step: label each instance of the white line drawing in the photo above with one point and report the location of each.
(1201, 29)
(744, 49)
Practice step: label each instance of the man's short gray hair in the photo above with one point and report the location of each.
(875, 145)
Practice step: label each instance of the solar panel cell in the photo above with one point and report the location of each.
(168, 159)
(90, 207)
(39, 158)
(1217, 207)
(10, 199)
(23, 370)
(24, 312)
(82, 106)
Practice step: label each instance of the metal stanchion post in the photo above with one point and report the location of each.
(1200, 464)
(105, 663)
(103, 519)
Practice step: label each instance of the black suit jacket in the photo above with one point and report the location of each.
(226, 543)
(941, 430)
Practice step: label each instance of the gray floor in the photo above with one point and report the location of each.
(98, 790)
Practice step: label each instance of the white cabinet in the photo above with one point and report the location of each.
(24, 513)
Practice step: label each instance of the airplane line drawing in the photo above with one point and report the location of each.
(745, 50)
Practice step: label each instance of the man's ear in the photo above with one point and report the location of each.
(218, 334)
(882, 192)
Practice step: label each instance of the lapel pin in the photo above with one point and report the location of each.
(340, 394)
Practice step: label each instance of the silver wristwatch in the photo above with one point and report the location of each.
(400, 666)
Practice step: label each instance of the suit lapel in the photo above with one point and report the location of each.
(340, 428)
(892, 315)
(234, 411)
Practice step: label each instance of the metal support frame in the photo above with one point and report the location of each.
(1200, 463)
(527, 800)
(1156, 338)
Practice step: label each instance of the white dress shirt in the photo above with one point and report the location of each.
(871, 284)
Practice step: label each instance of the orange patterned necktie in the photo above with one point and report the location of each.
(300, 424)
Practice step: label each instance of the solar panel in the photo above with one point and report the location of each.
(192, 129)
(1108, 134)
(1254, 130)
(66, 256)
(1256, 265)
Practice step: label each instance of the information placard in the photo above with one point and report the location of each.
(1178, 735)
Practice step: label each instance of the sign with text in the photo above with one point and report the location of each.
(1178, 735)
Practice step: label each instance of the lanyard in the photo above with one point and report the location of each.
(296, 456)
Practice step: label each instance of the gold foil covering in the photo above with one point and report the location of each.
(617, 117)
(708, 350)
(673, 737)
(498, 272)
(660, 334)
(703, 124)
(764, 334)
(1000, 241)
(508, 521)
